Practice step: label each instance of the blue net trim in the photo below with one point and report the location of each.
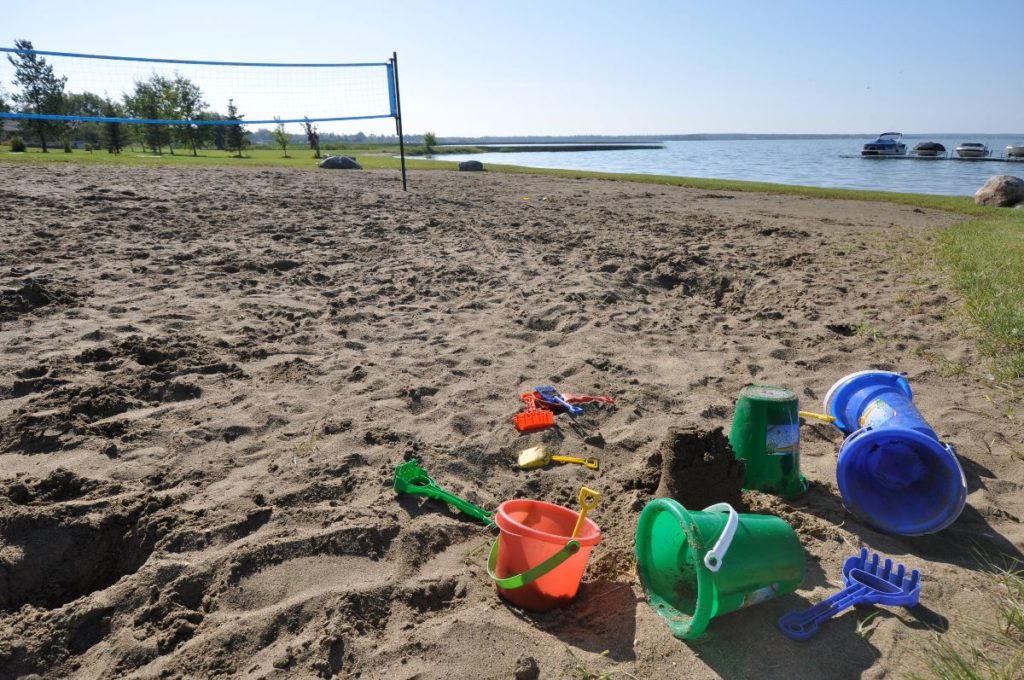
(188, 61)
(171, 121)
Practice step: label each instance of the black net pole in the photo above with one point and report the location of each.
(398, 117)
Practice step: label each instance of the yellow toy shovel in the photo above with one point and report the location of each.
(588, 501)
(539, 456)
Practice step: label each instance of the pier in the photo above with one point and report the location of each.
(946, 157)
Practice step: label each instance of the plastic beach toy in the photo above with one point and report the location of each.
(766, 434)
(539, 456)
(410, 478)
(533, 420)
(549, 397)
(539, 558)
(542, 404)
(867, 582)
(588, 501)
(893, 472)
(696, 565)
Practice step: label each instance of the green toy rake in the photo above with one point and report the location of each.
(410, 478)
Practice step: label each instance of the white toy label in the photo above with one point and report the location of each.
(877, 413)
(783, 440)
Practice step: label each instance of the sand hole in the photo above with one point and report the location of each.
(47, 560)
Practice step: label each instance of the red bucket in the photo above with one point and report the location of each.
(535, 562)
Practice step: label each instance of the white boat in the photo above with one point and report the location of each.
(887, 144)
(929, 150)
(973, 150)
(1015, 151)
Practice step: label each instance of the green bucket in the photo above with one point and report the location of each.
(697, 565)
(766, 434)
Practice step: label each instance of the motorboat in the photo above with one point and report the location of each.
(929, 150)
(1015, 151)
(973, 150)
(887, 144)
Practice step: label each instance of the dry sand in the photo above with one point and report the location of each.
(208, 376)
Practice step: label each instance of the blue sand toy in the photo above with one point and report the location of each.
(552, 396)
(893, 472)
(867, 582)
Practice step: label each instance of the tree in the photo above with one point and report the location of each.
(187, 103)
(113, 134)
(42, 92)
(237, 137)
(281, 137)
(153, 99)
(313, 137)
(429, 141)
(86, 104)
(209, 135)
(4, 106)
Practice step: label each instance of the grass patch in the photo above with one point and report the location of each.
(984, 256)
(368, 156)
(871, 331)
(992, 649)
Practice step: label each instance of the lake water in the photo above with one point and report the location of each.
(808, 162)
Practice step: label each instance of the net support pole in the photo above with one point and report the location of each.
(398, 116)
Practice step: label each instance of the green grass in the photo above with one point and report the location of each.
(984, 256)
(985, 259)
(984, 649)
(368, 156)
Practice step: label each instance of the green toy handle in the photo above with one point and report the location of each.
(530, 575)
(474, 511)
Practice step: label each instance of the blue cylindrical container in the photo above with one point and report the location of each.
(893, 472)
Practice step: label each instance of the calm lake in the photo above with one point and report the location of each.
(809, 162)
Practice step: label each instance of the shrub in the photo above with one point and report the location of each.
(429, 141)
(67, 146)
(88, 147)
(17, 143)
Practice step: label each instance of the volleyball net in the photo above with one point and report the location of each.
(263, 93)
(64, 90)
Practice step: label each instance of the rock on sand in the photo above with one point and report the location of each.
(340, 163)
(1001, 190)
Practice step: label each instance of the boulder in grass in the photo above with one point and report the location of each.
(340, 163)
(471, 166)
(1002, 191)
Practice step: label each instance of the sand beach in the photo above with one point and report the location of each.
(208, 376)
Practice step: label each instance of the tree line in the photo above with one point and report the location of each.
(41, 91)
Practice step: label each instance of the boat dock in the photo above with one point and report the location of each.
(947, 157)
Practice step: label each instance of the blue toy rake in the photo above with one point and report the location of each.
(867, 581)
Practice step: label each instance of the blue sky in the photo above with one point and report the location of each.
(523, 67)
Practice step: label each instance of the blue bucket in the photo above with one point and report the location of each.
(893, 471)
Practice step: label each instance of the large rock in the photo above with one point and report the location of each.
(1001, 190)
(340, 163)
(471, 166)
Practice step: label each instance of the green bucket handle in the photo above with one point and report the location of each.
(532, 574)
(713, 558)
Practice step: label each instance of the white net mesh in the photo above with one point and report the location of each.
(260, 92)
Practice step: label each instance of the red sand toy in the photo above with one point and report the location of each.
(544, 402)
